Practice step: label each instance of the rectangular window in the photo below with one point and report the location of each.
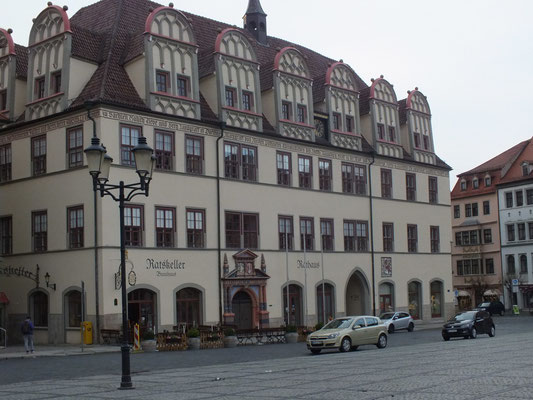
(231, 96)
(326, 234)
(165, 226)
(182, 86)
(435, 239)
(162, 81)
(283, 164)
(388, 237)
(381, 132)
(474, 237)
(324, 174)
(349, 236)
(164, 150)
(474, 210)
(39, 88)
(348, 178)
(392, 134)
(195, 229)
(416, 136)
(194, 155)
(426, 142)
(129, 138)
(349, 124)
(6, 235)
(305, 172)
(521, 231)
(247, 100)
(433, 189)
(412, 238)
(530, 229)
(510, 233)
(38, 155)
(238, 157)
(456, 211)
(3, 100)
(55, 86)
(133, 225)
(489, 266)
(242, 226)
(410, 184)
(386, 183)
(286, 107)
(458, 241)
(75, 227)
(361, 234)
(336, 121)
(302, 113)
(529, 196)
(469, 267)
(509, 199)
(5, 163)
(519, 198)
(249, 163)
(468, 210)
(39, 230)
(75, 147)
(285, 233)
(475, 183)
(307, 234)
(231, 161)
(487, 235)
(486, 207)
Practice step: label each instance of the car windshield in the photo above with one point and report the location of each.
(466, 316)
(387, 315)
(340, 323)
(484, 305)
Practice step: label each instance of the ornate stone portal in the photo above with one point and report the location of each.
(245, 303)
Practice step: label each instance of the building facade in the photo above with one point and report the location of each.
(286, 189)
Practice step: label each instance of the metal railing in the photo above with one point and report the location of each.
(3, 333)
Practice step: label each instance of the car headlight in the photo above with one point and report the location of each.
(333, 335)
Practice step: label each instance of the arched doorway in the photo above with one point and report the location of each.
(436, 299)
(141, 309)
(189, 307)
(386, 297)
(357, 295)
(328, 301)
(296, 306)
(243, 309)
(414, 290)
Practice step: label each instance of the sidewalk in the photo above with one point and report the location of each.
(59, 350)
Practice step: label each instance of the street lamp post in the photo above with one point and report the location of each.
(99, 165)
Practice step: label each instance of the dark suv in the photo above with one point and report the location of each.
(469, 324)
(492, 307)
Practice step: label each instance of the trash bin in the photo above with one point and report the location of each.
(87, 332)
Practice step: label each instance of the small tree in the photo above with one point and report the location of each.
(480, 286)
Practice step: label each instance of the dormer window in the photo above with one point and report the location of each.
(302, 113)
(349, 123)
(417, 140)
(381, 132)
(56, 82)
(162, 81)
(247, 100)
(463, 185)
(487, 181)
(525, 169)
(426, 142)
(475, 183)
(336, 121)
(286, 110)
(182, 86)
(231, 95)
(39, 87)
(392, 134)
(3, 100)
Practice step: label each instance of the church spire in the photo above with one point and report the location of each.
(255, 21)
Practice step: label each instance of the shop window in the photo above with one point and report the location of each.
(325, 297)
(194, 155)
(295, 305)
(133, 225)
(75, 227)
(73, 312)
(284, 170)
(195, 229)
(39, 309)
(188, 307)
(164, 150)
(38, 155)
(285, 233)
(40, 231)
(326, 234)
(129, 138)
(75, 147)
(165, 226)
(414, 298)
(436, 299)
(5, 163)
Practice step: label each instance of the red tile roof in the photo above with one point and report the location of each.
(498, 162)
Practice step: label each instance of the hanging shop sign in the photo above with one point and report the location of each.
(131, 276)
(20, 272)
(165, 267)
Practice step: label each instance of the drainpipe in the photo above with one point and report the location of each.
(501, 252)
(219, 246)
(95, 217)
(372, 234)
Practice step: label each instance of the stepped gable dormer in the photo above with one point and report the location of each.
(171, 61)
(385, 118)
(49, 52)
(237, 79)
(255, 21)
(8, 67)
(342, 99)
(293, 88)
(419, 127)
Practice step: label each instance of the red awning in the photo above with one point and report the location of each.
(3, 298)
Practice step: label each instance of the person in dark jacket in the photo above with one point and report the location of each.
(27, 332)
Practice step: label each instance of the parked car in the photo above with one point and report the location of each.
(395, 320)
(469, 324)
(348, 333)
(492, 307)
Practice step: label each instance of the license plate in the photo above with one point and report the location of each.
(316, 343)
(452, 330)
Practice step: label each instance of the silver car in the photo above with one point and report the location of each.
(395, 320)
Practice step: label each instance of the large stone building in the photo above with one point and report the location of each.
(261, 145)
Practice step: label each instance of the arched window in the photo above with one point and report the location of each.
(188, 307)
(39, 308)
(296, 305)
(328, 301)
(523, 264)
(436, 299)
(73, 311)
(414, 297)
(386, 297)
(510, 265)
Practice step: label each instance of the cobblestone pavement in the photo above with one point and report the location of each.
(485, 368)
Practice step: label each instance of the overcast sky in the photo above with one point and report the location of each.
(473, 59)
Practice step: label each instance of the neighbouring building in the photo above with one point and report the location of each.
(278, 170)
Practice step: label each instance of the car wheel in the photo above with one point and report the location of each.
(501, 313)
(492, 331)
(382, 341)
(411, 327)
(391, 328)
(346, 345)
(473, 333)
(446, 338)
(315, 351)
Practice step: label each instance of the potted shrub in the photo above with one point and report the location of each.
(291, 334)
(148, 342)
(230, 340)
(193, 339)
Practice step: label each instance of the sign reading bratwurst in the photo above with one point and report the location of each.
(165, 267)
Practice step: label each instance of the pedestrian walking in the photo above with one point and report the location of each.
(27, 332)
